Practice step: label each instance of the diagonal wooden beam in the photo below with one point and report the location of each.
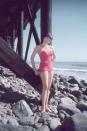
(18, 65)
(36, 37)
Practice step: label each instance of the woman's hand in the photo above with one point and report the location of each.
(36, 72)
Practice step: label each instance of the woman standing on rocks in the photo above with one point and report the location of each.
(47, 56)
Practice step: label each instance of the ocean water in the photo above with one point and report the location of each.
(76, 69)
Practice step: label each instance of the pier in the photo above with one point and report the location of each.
(14, 17)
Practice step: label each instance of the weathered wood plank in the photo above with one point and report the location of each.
(18, 65)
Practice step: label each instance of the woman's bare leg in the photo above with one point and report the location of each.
(50, 77)
(44, 78)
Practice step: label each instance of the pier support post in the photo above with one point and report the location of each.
(46, 17)
(20, 33)
(13, 37)
(28, 44)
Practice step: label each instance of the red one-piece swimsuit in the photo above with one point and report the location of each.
(46, 61)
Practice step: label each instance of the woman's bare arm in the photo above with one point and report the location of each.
(54, 55)
(33, 56)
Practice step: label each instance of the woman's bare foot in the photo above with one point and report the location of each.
(43, 110)
(48, 109)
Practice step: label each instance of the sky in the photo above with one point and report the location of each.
(69, 18)
(69, 29)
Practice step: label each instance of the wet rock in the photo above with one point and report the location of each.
(77, 122)
(21, 109)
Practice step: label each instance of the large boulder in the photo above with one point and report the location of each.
(77, 122)
(68, 105)
(22, 110)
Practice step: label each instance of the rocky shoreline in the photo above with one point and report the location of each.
(20, 105)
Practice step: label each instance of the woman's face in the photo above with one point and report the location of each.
(46, 40)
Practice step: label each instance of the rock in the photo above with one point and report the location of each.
(77, 122)
(37, 125)
(85, 113)
(67, 101)
(66, 89)
(72, 80)
(55, 84)
(85, 92)
(54, 123)
(9, 127)
(76, 93)
(82, 106)
(13, 122)
(85, 97)
(43, 128)
(36, 118)
(75, 88)
(21, 109)
(53, 102)
(68, 105)
(5, 83)
(63, 115)
(54, 109)
(72, 97)
(45, 117)
(27, 121)
(83, 82)
(63, 79)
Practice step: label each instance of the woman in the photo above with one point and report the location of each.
(47, 56)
